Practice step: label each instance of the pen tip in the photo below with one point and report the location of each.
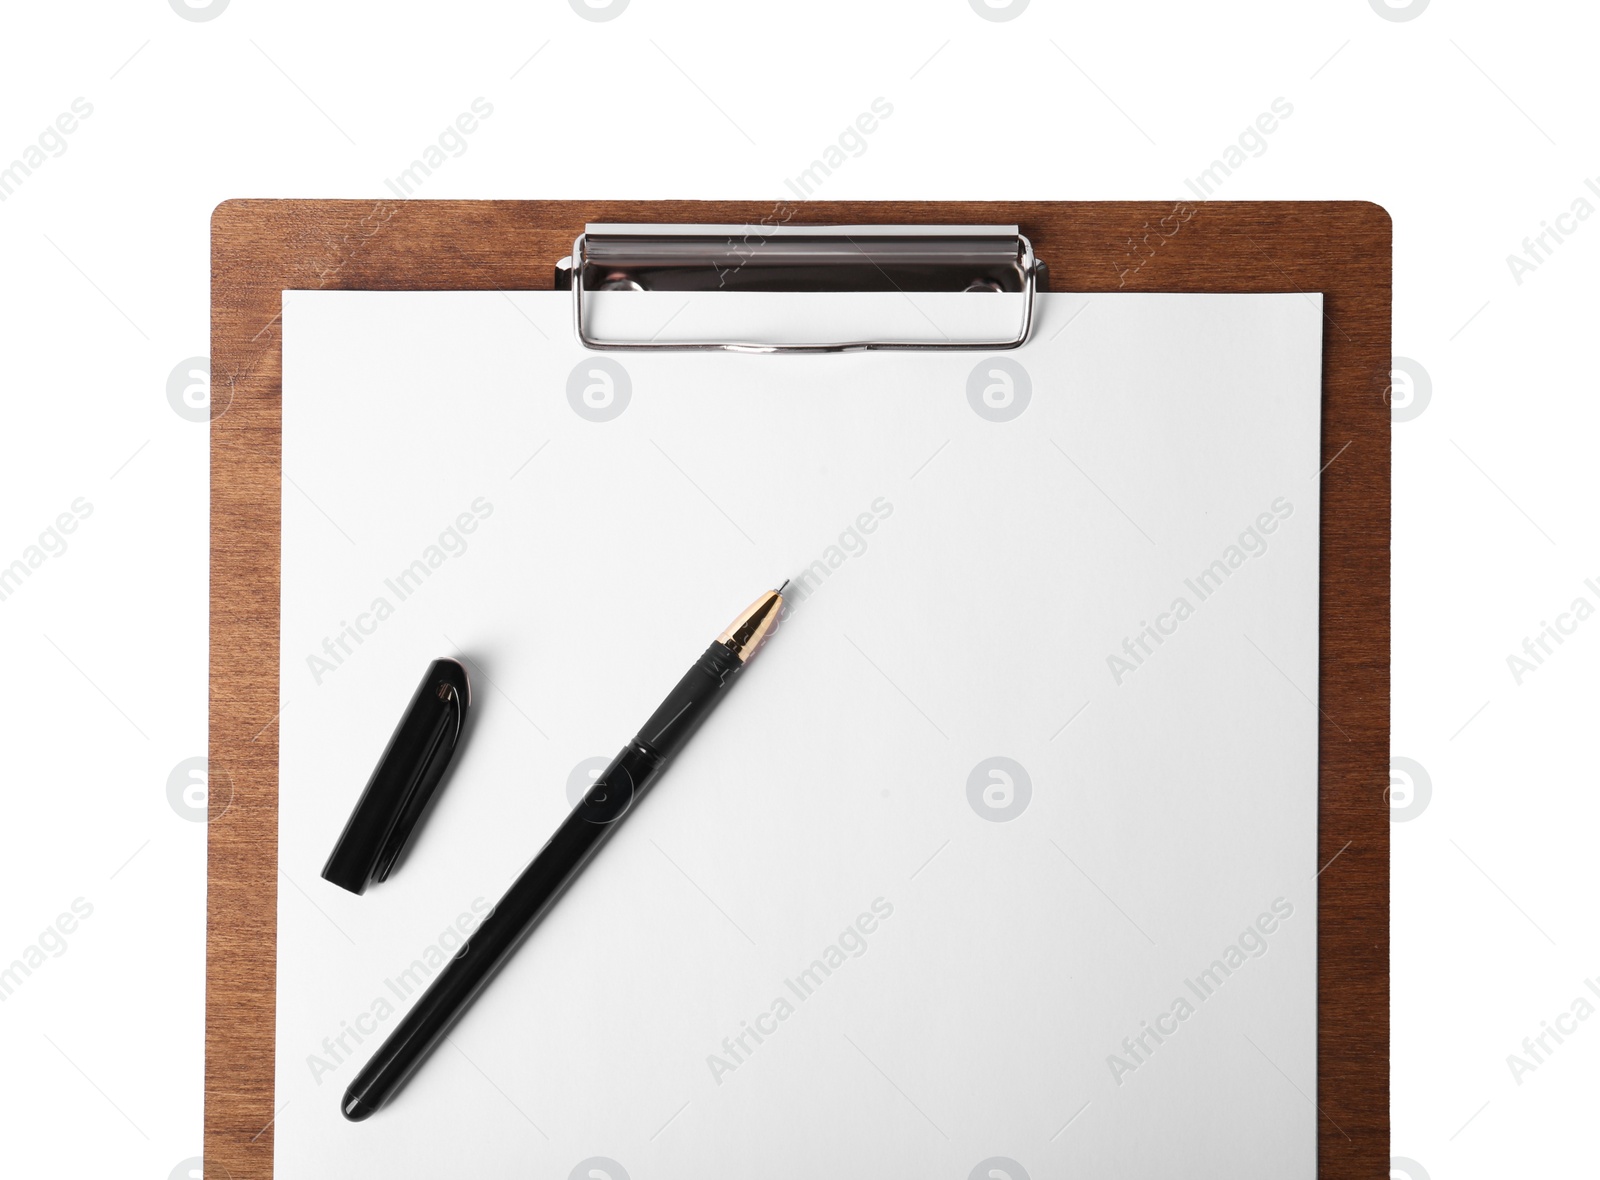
(746, 632)
(779, 590)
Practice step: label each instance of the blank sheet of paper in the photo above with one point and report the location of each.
(1001, 853)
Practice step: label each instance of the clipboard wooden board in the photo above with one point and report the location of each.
(1340, 248)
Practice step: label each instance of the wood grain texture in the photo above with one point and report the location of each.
(1341, 249)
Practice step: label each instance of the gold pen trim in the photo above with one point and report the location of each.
(747, 631)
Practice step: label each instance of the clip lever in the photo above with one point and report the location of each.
(991, 270)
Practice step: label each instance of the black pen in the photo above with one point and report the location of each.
(562, 858)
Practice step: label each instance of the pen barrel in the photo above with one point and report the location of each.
(690, 702)
(512, 919)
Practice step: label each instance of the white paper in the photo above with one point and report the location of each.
(973, 580)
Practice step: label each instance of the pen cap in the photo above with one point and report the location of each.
(404, 780)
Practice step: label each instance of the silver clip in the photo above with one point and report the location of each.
(787, 258)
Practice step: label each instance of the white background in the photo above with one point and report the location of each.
(1472, 124)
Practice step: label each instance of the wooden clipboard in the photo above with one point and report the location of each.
(261, 248)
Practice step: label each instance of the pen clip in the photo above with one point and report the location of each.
(417, 789)
(404, 781)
